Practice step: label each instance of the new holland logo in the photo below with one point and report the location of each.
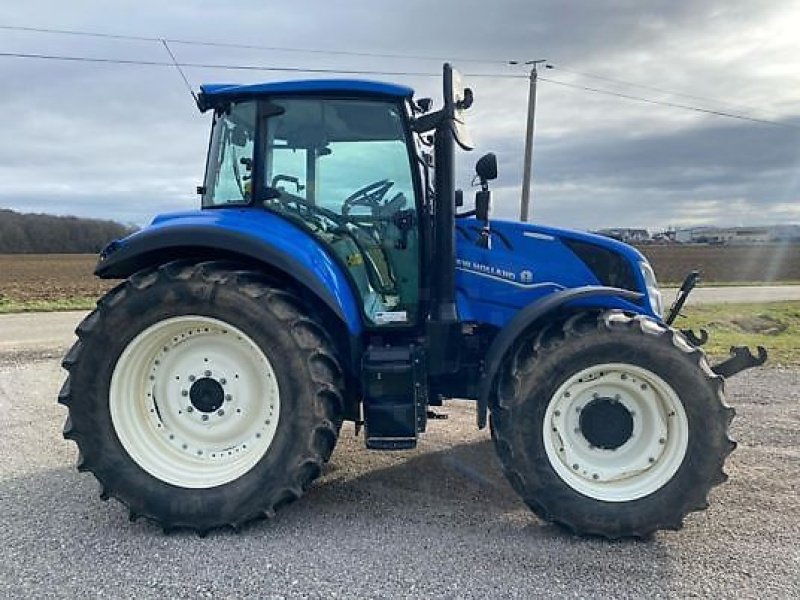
(522, 279)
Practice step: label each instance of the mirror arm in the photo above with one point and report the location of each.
(429, 121)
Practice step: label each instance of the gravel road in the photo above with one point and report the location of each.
(437, 522)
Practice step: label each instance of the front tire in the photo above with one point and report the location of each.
(202, 396)
(611, 425)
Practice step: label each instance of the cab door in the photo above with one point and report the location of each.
(341, 169)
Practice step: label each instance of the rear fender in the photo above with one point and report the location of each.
(527, 318)
(256, 237)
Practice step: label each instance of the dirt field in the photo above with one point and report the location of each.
(32, 277)
(773, 262)
(29, 277)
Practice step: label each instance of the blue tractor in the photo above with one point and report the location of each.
(329, 277)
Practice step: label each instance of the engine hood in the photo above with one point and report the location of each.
(526, 262)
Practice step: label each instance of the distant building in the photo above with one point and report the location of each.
(625, 234)
(732, 235)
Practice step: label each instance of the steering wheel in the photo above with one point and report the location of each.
(370, 196)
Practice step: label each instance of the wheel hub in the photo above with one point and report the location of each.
(606, 423)
(206, 394)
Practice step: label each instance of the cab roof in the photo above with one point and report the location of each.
(213, 94)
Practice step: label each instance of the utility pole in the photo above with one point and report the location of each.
(526, 173)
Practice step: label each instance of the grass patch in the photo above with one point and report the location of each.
(9, 305)
(774, 325)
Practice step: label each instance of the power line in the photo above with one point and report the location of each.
(654, 88)
(139, 38)
(698, 109)
(156, 63)
(153, 63)
(214, 44)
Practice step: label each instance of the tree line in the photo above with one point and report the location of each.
(48, 234)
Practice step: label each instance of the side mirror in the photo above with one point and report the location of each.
(457, 99)
(486, 167)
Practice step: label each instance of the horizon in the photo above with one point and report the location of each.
(650, 229)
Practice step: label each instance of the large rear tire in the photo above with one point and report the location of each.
(611, 425)
(202, 396)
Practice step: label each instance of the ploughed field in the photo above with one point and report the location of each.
(28, 278)
(726, 264)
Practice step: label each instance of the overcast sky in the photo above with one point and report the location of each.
(125, 142)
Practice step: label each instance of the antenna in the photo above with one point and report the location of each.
(183, 75)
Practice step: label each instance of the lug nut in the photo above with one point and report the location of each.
(662, 441)
(575, 466)
(228, 398)
(184, 393)
(557, 413)
(190, 409)
(595, 476)
(220, 412)
(205, 417)
(208, 373)
(191, 377)
(223, 381)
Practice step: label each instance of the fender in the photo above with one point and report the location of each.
(522, 321)
(259, 237)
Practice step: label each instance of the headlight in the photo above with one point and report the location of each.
(653, 293)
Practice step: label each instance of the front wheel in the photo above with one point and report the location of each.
(611, 425)
(202, 396)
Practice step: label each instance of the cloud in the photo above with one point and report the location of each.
(124, 142)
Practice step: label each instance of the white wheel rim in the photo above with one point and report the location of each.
(194, 401)
(648, 457)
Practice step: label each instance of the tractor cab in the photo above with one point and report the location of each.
(337, 160)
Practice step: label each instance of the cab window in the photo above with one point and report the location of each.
(230, 156)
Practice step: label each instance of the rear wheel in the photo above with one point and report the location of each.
(201, 396)
(611, 425)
